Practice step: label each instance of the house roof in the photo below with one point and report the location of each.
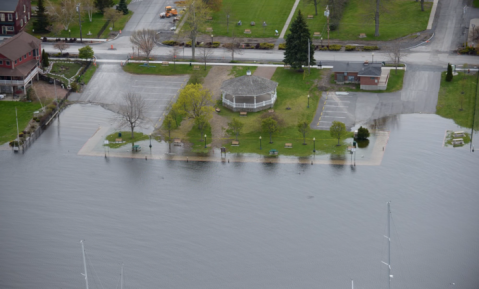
(363, 69)
(18, 45)
(8, 5)
(248, 85)
(22, 70)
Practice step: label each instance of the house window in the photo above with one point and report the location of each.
(16, 16)
(372, 78)
(24, 8)
(1, 62)
(7, 62)
(10, 18)
(30, 53)
(15, 62)
(2, 17)
(350, 78)
(9, 28)
(21, 22)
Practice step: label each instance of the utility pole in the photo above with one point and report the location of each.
(79, 21)
(309, 61)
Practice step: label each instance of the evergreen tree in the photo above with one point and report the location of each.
(449, 73)
(122, 7)
(296, 53)
(45, 62)
(101, 5)
(41, 23)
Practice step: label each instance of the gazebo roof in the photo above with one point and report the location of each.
(248, 85)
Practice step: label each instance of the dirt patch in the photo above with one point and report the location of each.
(265, 72)
(47, 91)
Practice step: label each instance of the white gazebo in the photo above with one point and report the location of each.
(248, 93)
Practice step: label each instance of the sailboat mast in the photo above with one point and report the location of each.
(389, 244)
(84, 264)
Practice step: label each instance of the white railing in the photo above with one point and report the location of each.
(20, 82)
(250, 105)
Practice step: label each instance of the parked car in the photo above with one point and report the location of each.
(2, 96)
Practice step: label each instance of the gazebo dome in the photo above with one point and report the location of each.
(248, 93)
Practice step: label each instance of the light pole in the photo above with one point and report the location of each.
(473, 28)
(69, 33)
(211, 40)
(150, 140)
(321, 41)
(372, 55)
(79, 21)
(308, 100)
(314, 144)
(205, 140)
(260, 143)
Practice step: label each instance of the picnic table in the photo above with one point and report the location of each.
(235, 143)
(288, 145)
(243, 113)
(136, 148)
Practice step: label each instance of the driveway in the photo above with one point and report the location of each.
(110, 82)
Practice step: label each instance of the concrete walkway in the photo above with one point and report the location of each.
(286, 25)
(431, 16)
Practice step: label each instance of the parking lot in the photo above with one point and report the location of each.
(110, 82)
(335, 106)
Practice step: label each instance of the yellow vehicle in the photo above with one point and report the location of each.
(170, 11)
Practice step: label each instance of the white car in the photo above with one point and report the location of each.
(2, 96)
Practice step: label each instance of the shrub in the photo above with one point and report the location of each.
(266, 46)
(21, 134)
(335, 47)
(282, 46)
(368, 48)
(74, 87)
(216, 44)
(468, 50)
(324, 48)
(350, 47)
(363, 133)
(195, 78)
(188, 44)
(14, 143)
(449, 74)
(51, 106)
(336, 12)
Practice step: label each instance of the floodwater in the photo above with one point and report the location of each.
(239, 225)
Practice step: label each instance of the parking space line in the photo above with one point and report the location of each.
(335, 116)
(335, 111)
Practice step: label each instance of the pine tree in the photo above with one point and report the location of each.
(296, 53)
(122, 7)
(101, 5)
(449, 73)
(45, 62)
(41, 23)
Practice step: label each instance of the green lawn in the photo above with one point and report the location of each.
(66, 69)
(476, 3)
(126, 137)
(449, 100)
(89, 73)
(157, 68)
(404, 17)
(395, 83)
(8, 126)
(196, 138)
(274, 12)
(87, 26)
(293, 90)
(238, 71)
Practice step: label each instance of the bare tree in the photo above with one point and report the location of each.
(64, 13)
(315, 2)
(195, 21)
(61, 46)
(89, 7)
(112, 15)
(422, 5)
(395, 53)
(132, 111)
(145, 40)
(206, 53)
(56, 28)
(233, 47)
(175, 50)
(228, 12)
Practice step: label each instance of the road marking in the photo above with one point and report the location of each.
(335, 111)
(335, 116)
(335, 105)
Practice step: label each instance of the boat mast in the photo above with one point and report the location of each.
(84, 264)
(389, 246)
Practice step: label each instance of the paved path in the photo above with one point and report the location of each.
(291, 14)
(265, 72)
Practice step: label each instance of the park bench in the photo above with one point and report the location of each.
(310, 16)
(196, 67)
(271, 110)
(317, 34)
(458, 134)
(118, 140)
(287, 66)
(273, 152)
(136, 148)
(247, 31)
(457, 141)
(177, 142)
(235, 143)
(217, 109)
(362, 35)
(165, 63)
(243, 113)
(209, 29)
(288, 145)
(209, 18)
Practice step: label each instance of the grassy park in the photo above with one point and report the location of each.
(452, 104)
(8, 126)
(293, 90)
(273, 12)
(126, 138)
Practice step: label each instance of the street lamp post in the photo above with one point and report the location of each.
(69, 33)
(372, 55)
(308, 100)
(473, 28)
(79, 21)
(260, 143)
(321, 41)
(205, 140)
(314, 144)
(211, 40)
(150, 140)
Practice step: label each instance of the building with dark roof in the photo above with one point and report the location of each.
(14, 16)
(20, 57)
(370, 76)
(248, 93)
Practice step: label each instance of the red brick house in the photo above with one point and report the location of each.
(370, 76)
(20, 57)
(14, 16)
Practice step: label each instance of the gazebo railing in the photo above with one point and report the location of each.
(249, 105)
